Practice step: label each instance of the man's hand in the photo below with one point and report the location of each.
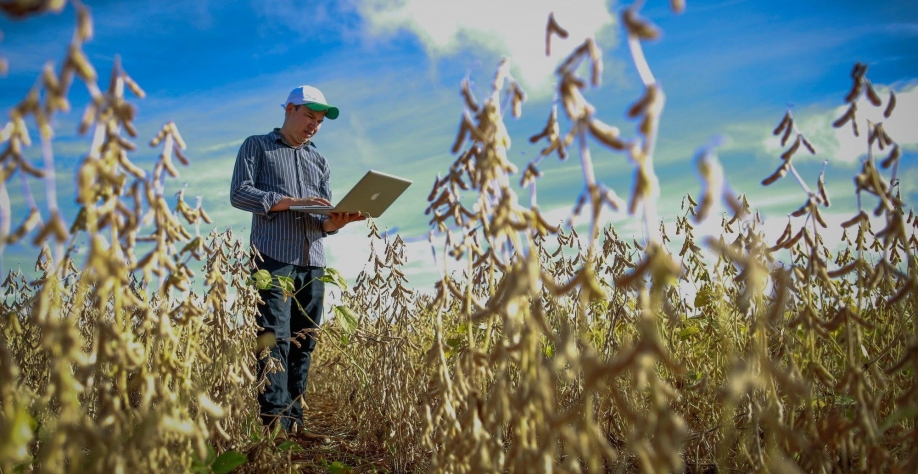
(337, 220)
(285, 203)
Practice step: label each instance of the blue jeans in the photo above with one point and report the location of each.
(283, 317)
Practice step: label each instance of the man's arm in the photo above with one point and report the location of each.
(287, 201)
(337, 220)
(243, 193)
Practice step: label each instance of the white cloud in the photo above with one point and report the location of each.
(510, 28)
(840, 144)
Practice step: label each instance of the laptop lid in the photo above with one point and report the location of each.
(371, 196)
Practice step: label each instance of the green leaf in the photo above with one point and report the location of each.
(276, 431)
(199, 465)
(191, 245)
(338, 467)
(346, 318)
(334, 277)
(703, 297)
(286, 284)
(290, 445)
(262, 279)
(228, 461)
(688, 332)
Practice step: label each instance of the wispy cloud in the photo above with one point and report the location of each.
(840, 144)
(497, 27)
(326, 21)
(902, 29)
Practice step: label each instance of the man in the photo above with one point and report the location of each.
(272, 173)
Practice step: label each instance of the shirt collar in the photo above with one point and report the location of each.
(278, 138)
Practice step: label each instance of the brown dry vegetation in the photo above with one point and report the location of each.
(552, 352)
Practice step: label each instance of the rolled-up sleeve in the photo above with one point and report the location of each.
(243, 193)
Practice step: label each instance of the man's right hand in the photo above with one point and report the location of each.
(285, 203)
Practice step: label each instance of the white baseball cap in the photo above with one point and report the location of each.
(313, 99)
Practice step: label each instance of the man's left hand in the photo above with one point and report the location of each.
(337, 220)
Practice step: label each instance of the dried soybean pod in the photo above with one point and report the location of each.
(433, 191)
(878, 274)
(872, 134)
(843, 270)
(818, 217)
(785, 122)
(460, 137)
(639, 26)
(206, 218)
(787, 133)
(849, 115)
(872, 95)
(787, 232)
(885, 136)
(890, 105)
(133, 86)
(646, 126)
(893, 156)
(181, 157)
(793, 240)
(518, 97)
(793, 149)
(907, 289)
(639, 107)
(879, 134)
(808, 145)
(87, 120)
(176, 135)
(130, 167)
(33, 219)
(76, 58)
(606, 134)
(778, 174)
(159, 137)
(855, 90)
(129, 128)
(822, 189)
(595, 62)
(50, 81)
(84, 23)
(860, 217)
(470, 101)
(553, 28)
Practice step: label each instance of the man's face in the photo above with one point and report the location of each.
(302, 123)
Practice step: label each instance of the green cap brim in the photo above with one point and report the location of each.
(330, 112)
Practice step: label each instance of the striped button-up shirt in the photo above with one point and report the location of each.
(267, 169)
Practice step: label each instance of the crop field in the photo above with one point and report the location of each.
(552, 351)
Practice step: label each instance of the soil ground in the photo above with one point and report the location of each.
(342, 452)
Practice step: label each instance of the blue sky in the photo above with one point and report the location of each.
(729, 68)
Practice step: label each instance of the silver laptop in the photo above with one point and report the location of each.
(371, 196)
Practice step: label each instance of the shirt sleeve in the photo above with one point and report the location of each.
(244, 194)
(325, 189)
